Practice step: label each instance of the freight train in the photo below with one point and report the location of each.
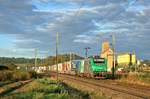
(94, 67)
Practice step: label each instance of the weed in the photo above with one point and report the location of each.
(49, 89)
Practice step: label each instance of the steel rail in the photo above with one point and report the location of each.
(129, 92)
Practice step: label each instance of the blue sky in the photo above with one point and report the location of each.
(5, 41)
(27, 25)
(53, 5)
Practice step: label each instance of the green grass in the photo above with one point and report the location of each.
(144, 76)
(47, 81)
(15, 75)
(50, 89)
(4, 83)
(141, 78)
(39, 95)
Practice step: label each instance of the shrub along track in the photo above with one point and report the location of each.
(5, 83)
(4, 90)
(111, 86)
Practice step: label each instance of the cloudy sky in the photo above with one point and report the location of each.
(26, 25)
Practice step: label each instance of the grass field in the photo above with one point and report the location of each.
(140, 78)
(46, 89)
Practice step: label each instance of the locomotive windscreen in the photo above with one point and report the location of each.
(98, 61)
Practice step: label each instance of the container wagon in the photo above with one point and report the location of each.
(75, 66)
(81, 68)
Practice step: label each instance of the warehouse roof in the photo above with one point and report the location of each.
(123, 53)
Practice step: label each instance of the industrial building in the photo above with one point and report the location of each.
(123, 59)
(126, 59)
(106, 52)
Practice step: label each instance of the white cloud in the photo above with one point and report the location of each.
(36, 28)
(27, 40)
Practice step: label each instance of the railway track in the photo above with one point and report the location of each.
(140, 93)
(5, 89)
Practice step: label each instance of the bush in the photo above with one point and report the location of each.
(14, 75)
(33, 74)
(5, 75)
(17, 75)
(141, 78)
(144, 76)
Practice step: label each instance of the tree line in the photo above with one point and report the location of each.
(45, 61)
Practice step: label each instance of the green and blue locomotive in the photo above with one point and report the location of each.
(91, 67)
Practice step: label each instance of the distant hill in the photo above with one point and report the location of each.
(13, 60)
(30, 61)
(63, 58)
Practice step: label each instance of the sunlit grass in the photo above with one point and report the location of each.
(141, 78)
(46, 89)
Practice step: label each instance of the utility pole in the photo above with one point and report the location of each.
(73, 57)
(61, 55)
(35, 61)
(113, 48)
(86, 51)
(57, 54)
(47, 59)
(70, 56)
(135, 64)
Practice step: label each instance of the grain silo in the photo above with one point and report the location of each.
(106, 52)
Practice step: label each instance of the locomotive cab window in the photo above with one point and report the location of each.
(99, 61)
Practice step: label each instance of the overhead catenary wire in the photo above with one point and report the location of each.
(130, 3)
(77, 12)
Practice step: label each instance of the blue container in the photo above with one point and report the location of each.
(76, 65)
